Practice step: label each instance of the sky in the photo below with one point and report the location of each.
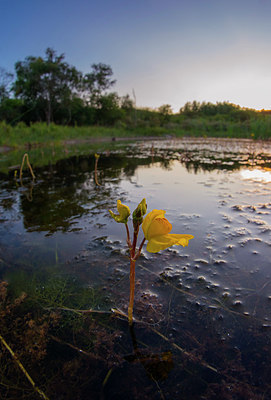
(160, 51)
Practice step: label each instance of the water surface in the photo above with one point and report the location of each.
(202, 312)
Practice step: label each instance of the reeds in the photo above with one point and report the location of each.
(97, 156)
(25, 157)
(38, 133)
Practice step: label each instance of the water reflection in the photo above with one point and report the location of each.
(203, 311)
(262, 175)
(157, 365)
(64, 192)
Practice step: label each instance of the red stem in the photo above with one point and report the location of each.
(128, 240)
(139, 249)
(132, 291)
(132, 277)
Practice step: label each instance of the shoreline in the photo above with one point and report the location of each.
(28, 146)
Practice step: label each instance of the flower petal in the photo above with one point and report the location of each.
(183, 239)
(162, 242)
(149, 219)
(158, 227)
(124, 212)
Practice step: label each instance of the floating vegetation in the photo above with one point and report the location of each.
(201, 317)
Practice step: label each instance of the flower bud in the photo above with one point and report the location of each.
(139, 212)
(124, 213)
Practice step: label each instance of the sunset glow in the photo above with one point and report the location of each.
(160, 52)
(257, 175)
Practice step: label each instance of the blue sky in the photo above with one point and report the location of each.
(168, 52)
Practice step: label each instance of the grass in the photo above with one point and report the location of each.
(258, 128)
(46, 143)
(40, 133)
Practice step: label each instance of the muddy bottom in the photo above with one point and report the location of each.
(202, 313)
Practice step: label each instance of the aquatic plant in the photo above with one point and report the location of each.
(97, 156)
(47, 329)
(22, 368)
(156, 230)
(25, 157)
(28, 193)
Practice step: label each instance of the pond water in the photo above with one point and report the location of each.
(202, 313)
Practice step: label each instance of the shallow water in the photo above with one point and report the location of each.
(203, 313)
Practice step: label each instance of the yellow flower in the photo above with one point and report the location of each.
(156, 230)
(124, 212)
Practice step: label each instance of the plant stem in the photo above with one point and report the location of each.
(20, 365)
(140, 248)
(95, 171)
(132, 276)
(132, 291)
(29, 166)
(128, 240)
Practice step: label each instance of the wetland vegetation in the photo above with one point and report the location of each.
(202, 313)
(49, 101)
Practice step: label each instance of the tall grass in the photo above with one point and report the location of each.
(40, 133)
(257, 128)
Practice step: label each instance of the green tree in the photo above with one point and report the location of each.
(127, 103)
(12, 111)
(97, 82)
(165, 111)
(5, 84)
(46, 84)
(108, 109)
(187, 109)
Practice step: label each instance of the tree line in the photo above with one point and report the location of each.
(48, 89)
